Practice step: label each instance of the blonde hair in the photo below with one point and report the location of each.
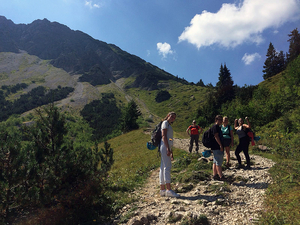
(170, 114)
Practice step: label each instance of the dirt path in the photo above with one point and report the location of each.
(240, 203)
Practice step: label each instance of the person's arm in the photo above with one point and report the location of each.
(236, 124)
(231, 135)
(219, 141)
(188, 131)
(201, 130)
(165, 140)
(248, 125)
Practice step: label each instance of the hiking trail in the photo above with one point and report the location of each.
(238, 202)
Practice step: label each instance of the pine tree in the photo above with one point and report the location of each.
(130, 116)
(294, 48)
(200, 83)
(106, 157)
(225, 90)
(269, 63)
(280, 62)
(13, 169)
(225, 78)
(275, 62)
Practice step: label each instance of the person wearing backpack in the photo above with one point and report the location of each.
(227, 139)
(193, 132)
(243, 145)
(217, 149)
(166, 156)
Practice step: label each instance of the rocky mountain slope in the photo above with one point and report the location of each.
(77, 53)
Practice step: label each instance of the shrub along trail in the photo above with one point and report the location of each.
(238, 201)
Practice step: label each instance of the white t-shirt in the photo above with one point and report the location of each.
(165, 125)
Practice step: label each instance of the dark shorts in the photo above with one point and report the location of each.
(226, 142)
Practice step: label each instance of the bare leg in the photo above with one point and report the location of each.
(168, 186)
(219, 170)
(215, 172)
(227, 154)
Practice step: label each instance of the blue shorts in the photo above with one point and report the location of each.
(218, 157)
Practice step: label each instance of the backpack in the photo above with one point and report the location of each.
(227, 130)
(156, 135)
(247, 131)
(207, 138)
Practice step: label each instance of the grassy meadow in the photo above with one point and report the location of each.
(185, 100)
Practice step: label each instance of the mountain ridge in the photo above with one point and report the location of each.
(78, 53)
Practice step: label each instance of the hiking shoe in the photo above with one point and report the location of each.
(216, 177)
(247, 168)
(162, 193)
(171, 193)
(227, 165)
(223, 178)
(239, 166)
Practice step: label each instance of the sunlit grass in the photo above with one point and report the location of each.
(185, 100)
(133, 163)
(283, 197)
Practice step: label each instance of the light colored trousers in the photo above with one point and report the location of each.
(165, 165)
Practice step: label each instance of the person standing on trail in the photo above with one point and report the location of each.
(243, 145)
(193, 132)
(227, 139)
(166, 156)
(217, 149)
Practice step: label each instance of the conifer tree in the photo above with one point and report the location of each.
(269, 63)
(294, 48)
(275, 62)
(200, 83)
(130, 116)
(225, 89)
(281, 62)
(13, 168)
(225, 78)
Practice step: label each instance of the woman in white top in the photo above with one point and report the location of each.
(166, 156)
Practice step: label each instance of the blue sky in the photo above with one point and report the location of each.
(187, 38)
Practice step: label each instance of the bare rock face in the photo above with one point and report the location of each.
(238, 201)
(78, 53)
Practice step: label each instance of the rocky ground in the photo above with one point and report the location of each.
(235, 202)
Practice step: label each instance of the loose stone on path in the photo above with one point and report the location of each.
(241, 203)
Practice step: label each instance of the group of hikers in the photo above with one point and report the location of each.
(223, 139)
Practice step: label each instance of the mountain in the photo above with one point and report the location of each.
(78, 53)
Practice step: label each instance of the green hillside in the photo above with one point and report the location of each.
(24, 68)
(76, 115)
(273, 110)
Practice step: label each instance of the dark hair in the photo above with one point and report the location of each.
(218, 117)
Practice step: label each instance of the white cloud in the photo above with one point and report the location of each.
(235, 24)
(164, 49)
(249, 58)
(92, 5)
